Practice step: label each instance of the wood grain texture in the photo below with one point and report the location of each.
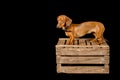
(83, 60)
(82, 52)
(84, 70)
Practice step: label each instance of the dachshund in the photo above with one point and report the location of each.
(81, 29)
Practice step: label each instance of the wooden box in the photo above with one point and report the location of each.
(82, 57)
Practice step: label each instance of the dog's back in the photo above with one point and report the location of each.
(88, 27)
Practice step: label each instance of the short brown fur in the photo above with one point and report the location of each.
(79, 30)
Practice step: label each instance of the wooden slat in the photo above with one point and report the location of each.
(83, 60)
(82, 45)
(67, 41)
(82, 51)
(88, 42)
(75, 42)
(82, 42)
(58, 67)
(63, 42)
(59, 42)
(84, 69)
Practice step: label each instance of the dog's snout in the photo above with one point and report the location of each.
(57, 26)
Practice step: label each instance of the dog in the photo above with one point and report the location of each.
(81, 29)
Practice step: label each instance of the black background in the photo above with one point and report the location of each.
(38, 35)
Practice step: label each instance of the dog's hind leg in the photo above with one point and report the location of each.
(95, 39)
(100, 39)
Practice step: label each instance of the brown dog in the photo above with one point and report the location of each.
(79, 30)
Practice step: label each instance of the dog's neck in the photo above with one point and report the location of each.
(67, 29)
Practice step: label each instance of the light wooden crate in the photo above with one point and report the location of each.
(82, 57)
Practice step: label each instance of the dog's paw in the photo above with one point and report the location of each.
(93, 40)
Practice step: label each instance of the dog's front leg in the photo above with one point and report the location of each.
(70, 42)
(71, 37)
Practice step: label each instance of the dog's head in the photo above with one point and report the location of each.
(63, 21)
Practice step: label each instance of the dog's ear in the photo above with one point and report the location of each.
(68, 21)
